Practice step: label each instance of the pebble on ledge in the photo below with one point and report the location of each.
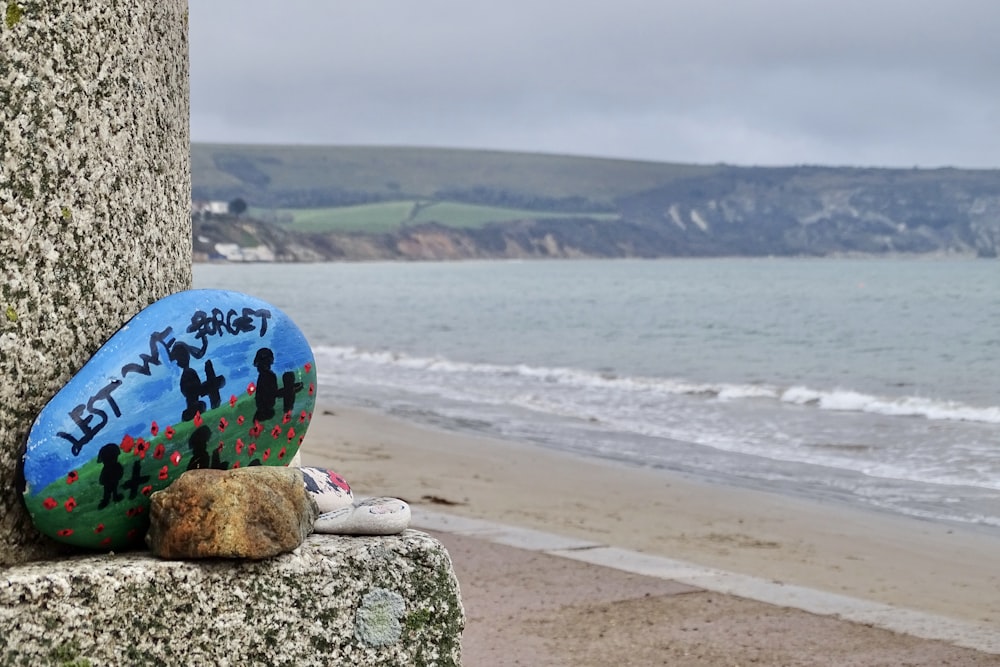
(254, 513)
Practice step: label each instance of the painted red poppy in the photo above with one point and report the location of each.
(308, 367)
(291, 434)
(141, 447)
(338, 481)
(154, 428)
(127, 443)
(72, 477)
(70, 504)
(175, 458)
(65, 532)
(251, 388)
(236, 464)
(240, 420)
(257, 429)
(276, 431)
(281, 454)
(99, 529)
(232, 401)
(239, 445)
(198, 421)
(223, 423)
(267, 453)
(146, 490)
(159, 451)
(106, 542)
(164, 473)
(252, 448)
(302, 416)
(287, 417)
(169, 432)
(311, 389)
(49, 503)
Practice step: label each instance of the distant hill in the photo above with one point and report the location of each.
(355, 202)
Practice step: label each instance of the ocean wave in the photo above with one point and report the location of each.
(837, 400)
(907, 406)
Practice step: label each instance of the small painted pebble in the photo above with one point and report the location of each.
(372, 516)
(329, 490)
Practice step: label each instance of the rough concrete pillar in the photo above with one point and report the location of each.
(94, 198)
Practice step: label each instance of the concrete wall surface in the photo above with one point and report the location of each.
(333, 601)
(94, 198)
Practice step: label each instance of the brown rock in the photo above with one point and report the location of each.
(255, 512)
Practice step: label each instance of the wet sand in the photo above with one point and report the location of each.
(907, 563)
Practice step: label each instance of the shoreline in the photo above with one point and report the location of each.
(909, 563)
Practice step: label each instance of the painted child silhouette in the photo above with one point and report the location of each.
(111, 474)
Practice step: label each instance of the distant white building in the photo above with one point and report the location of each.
(203, 208)
(236, 253)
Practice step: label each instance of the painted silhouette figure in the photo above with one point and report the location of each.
(268, 391)
(267, 384)
(191, 385)
(288, 390)
(111, 474)
(200, 458)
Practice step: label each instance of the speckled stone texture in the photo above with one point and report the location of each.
(94, 198)
(334, 601)
(256, 512)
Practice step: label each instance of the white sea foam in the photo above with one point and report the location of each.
(841, 400)
(906, 406)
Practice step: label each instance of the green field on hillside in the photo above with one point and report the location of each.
(389, 216)
(303, 176)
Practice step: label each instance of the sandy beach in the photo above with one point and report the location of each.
(907, 563)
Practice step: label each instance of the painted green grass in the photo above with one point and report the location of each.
(68, 507)
(390, 216)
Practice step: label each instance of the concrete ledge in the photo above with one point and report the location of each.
(335, 600)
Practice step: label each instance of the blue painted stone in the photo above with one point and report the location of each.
(199, 379)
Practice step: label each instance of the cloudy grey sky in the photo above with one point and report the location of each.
(751, 82)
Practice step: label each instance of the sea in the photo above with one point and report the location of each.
(867, 382)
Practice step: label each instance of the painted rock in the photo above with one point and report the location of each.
(327, 488)
(372, 516)
(199, 379)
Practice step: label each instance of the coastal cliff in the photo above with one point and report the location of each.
(477, 204)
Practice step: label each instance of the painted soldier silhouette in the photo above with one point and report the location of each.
(267, 384)
(191, 385)
(200, 458)
(268, 391)
(111, 474)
